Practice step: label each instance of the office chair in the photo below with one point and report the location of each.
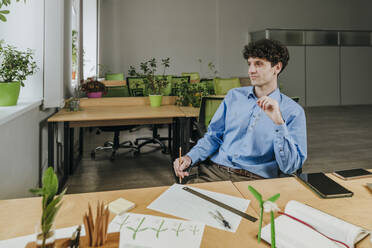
(210, 85)
(178, 81)
(223, 85)
(137, 87)
(194, 76)
(208, 107)
(115, 91)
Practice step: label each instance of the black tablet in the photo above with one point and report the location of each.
(352, 174)
(324, 186)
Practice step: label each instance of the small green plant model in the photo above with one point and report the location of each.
(15, 65)
(51, 203)
(155, 83)
(271, 207)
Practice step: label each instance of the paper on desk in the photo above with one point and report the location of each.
(23, 240)
(178, 202)
(145, 231)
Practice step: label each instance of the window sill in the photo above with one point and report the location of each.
(12, 112)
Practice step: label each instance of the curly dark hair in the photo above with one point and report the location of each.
(271, 50)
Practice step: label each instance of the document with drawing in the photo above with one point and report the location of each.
(178, 202)
(307, 227)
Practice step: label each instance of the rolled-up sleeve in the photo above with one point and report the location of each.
(290, 143)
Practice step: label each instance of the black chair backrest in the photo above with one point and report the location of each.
(208, 107)
(136, 86)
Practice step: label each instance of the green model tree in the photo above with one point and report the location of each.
(51, 203)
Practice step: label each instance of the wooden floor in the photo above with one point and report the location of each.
(338, 138)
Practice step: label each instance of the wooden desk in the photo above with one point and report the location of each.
(356, 210)
(190, 111)
(25, 214)
(113, 111)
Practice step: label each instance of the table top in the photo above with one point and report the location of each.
(26, 213)
(190, 111)
(356, 210)
(94, 113)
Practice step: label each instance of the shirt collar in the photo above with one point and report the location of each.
(275, 94)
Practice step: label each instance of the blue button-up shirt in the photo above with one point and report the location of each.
(241, 135)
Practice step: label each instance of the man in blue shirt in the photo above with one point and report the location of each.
(257, 132)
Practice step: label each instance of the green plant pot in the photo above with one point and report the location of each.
(155, 100)
(9, 93)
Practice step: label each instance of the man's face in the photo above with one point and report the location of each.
(261, 72)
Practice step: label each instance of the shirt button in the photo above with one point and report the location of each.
(276, 130)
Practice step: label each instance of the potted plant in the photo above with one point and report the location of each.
(15, 67)
(74, 54)
(93, 88)
(51, 203)
(154, 83)
(190, 94)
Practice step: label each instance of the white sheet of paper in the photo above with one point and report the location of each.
(178, 202)
(145, 231)
(23, 240)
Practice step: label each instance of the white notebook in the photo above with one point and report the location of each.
(290, 233)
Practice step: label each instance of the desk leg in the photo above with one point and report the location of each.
(66, 149)
(51, 127)
(176, 137)
(170, 138)
(81, 141)
(71, 152)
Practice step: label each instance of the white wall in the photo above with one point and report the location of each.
(25, 29)
(134, 31)
(214, 30)
(90, 37)
(23, 140)
(19, 153)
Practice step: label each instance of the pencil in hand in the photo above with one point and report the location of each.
(180, 162)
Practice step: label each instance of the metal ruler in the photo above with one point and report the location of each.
(220, 204)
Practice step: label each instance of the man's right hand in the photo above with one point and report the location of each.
(180, 167)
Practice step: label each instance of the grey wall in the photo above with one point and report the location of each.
(133, 31)
(23, 148)
(214, 30)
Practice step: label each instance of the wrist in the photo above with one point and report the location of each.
(279, 119)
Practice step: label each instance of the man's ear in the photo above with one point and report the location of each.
(278, 67)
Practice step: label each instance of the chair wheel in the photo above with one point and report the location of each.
(136, 142)
(93, 155)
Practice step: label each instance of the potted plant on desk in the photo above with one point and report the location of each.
(93, 88)
(15, 67)
(154, 83)
(51, 203)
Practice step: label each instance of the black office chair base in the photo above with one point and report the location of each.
(108, 145)
(151, 140)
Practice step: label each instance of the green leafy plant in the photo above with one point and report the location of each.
(51, 203)
(155, 83)
(74, 50)
(190, 94)
(272, 199)
(5, 3)
(15, 65)
(93, 85)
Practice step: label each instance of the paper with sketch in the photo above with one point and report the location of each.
(23, 240)
(145, 231)
(306, 237)
(178, 202)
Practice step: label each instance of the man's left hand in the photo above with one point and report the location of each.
(271, 107)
